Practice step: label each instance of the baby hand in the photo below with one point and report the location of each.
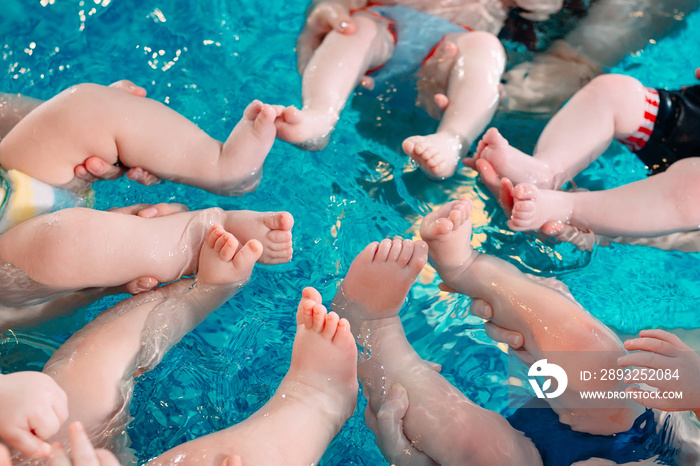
(324, 18)
(32, 409)
(665, 353)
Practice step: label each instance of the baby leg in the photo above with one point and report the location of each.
(91, 120)
(96, 365)
(440, 421)
(336, 67)
(611, 106)
(80, 248)
(523, 305)
(14, 107)
(658, 205)
(472, 96)
(313, 401)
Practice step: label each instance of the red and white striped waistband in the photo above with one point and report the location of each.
(637, 140)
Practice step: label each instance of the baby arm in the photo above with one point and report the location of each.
(659, 350)
(32, 409)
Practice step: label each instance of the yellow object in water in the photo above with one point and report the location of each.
(22, 197)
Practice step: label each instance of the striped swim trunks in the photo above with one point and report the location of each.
(637, 140)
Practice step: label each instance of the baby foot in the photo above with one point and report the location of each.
(272, 229)
(533, 207)
(308, 129)
(248, 145)
(324, 358)
(448, 232)
(509, 162)
(437, 154)
(221, 261)
(382, 274)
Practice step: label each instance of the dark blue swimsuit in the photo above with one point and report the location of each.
(560, 446)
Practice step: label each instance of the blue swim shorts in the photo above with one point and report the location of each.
(560, 446)
(416, 34)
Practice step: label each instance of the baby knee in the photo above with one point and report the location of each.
(85, 91)
(590, 338)
(367, 23)
(476, 40)
(375, 29)
(608, 86)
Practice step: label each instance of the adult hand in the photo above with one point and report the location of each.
(234, 460)
(666, 355)
(387, 425)
(324, 18)
(129, 87)
(142, 176)
(5, 459)
(95, 169)
(32, 409)
(151, 210)
(144, 284)
(502, 189)
(514, 339)
(434, 77)
(82, 453)
(584, 240)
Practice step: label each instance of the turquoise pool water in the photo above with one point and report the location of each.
(207, 60)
